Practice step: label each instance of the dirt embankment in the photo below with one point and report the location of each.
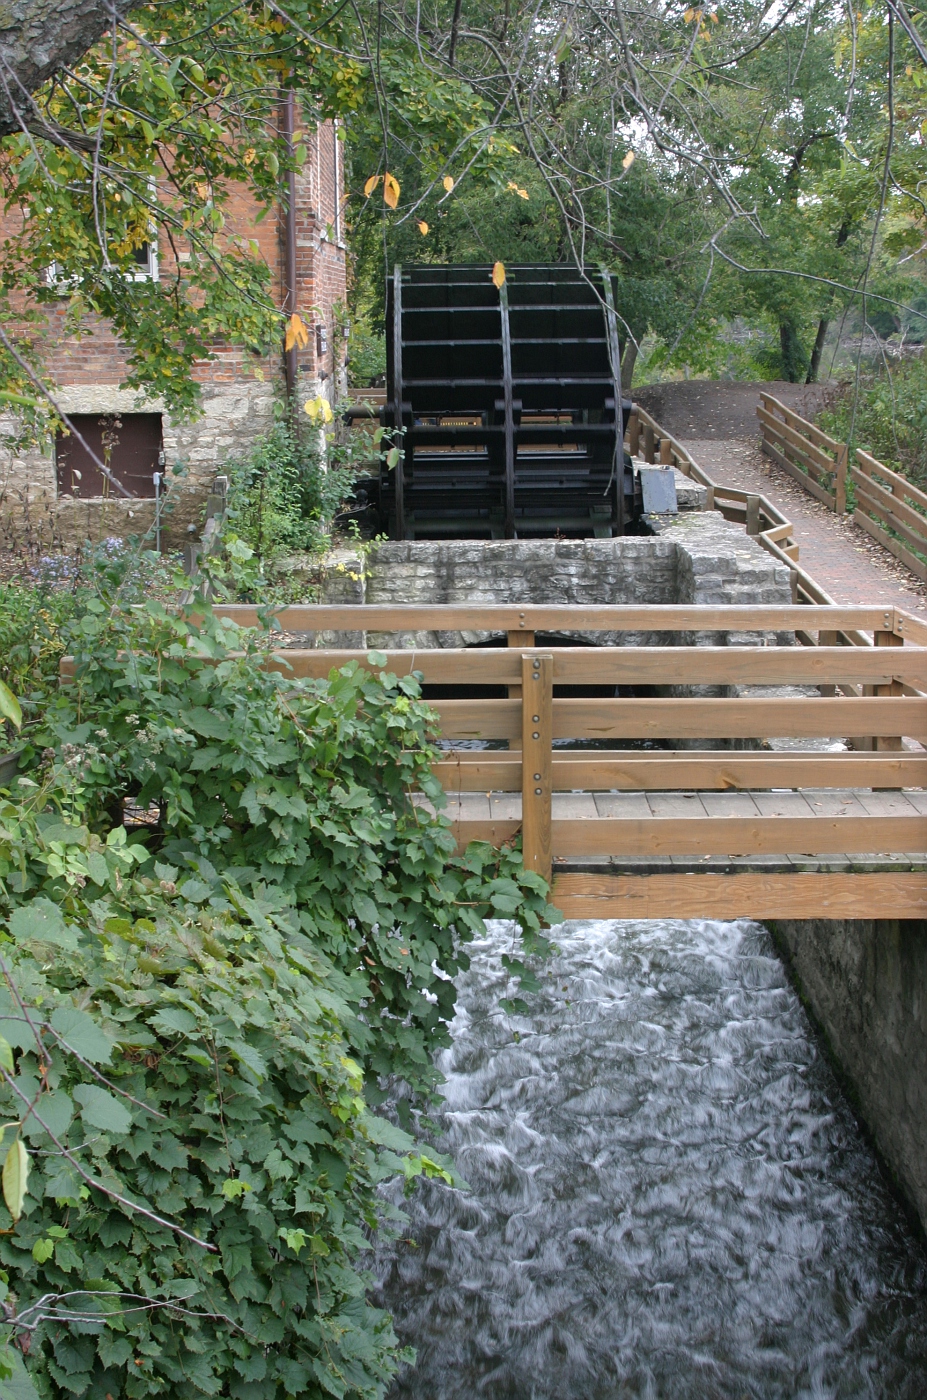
(719, 410)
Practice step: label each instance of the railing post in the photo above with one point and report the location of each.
(666, 452)
(537, 675)
(634, 433)
(888, 743)
(753, 515)
(518, 639)
(840, 482)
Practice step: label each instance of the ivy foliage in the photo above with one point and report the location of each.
(183, 1046)
(302, 787)
(199, 1015)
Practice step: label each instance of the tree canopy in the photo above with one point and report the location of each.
(743, 161)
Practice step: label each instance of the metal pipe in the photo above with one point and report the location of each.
(289, 127)
(157, 520)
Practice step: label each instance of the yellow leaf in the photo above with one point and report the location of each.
(390, 190)
(250, 156)
(523, 194)
(9, 705)
(448, 183)
(297, 333)
(15, 1176)
(498, 274)
(318, 409)
(628, 161)
(371, 185)
(422, 227)
(202, 190)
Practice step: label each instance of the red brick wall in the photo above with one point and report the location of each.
(98, 358)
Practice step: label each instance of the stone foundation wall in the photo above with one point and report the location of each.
(699, 558)
(865, 980)
(233, 416)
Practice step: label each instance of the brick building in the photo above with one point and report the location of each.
(59, 495)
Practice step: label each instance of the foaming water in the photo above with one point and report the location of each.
(669, 1196)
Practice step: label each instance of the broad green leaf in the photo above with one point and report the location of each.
(100, 1109)
(366, 910)
(296, 1239)
(9, 706)
(386, 1134)
(248, 1056)
(43, 1250)
(83, 1034)
(232, 1188)
(15, 1177)
(15, 1383)
(55, 1110)
(6, 1056)
(174, 1020)
(206, 722)
(97, 868)
(43, 921)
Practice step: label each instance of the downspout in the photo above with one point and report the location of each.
(289, 271)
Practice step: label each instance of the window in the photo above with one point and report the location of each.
(128, 443)
(145, 269)
(146, 263)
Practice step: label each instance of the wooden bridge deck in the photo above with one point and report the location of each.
(837, 830)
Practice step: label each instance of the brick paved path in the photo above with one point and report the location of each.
(835, 552)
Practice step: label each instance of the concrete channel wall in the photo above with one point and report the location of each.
(865, 981)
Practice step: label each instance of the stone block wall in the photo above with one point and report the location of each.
(865, 981)
(699, 558)
(234, 415)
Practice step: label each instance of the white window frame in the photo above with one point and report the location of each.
(150, 273)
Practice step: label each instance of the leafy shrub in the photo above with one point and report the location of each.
(182, 1046)
(35, 612)
(284, 495)
(278, 940)
(304, 787)
(366, 358)
(890, 419)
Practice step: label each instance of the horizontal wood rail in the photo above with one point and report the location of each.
(634, 665)
(817, 462)
(715, 718)
(772, 530)
(626, 809)
(892, 510)
(888, 507)
(474, 770)
(531, 618)
(753, 895)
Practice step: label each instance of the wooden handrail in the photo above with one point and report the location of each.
(544, 617)
(536, 719)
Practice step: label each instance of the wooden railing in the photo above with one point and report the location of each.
(761, 518)
(817, 462)
(888, 506)
(887, 502)
(535, 722)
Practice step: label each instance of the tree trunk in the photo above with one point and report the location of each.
(628, 361)
(37, 37)
(794, 363)
(817, 352)
(455, 26)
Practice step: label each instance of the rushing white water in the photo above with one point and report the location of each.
(669, 1195)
